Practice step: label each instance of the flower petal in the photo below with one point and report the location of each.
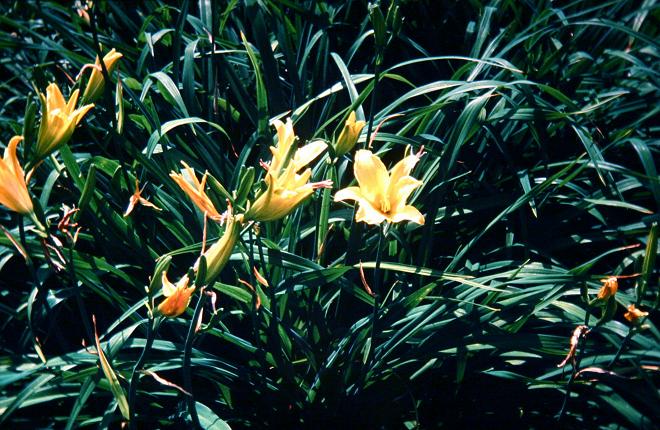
(307, 153)
(372, 177)
(408, 213)
(54, 97)
(403, 168)
(367, 213)
(349, 193)
(401, 190)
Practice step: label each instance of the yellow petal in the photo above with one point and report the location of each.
(349, 193)
(401, 190)
(54, 97)
(168, 287)
(307, 153)
(372, 177)
(80, 112)
(73, 99)
(369, 214)
(408, 213)
(403, 168)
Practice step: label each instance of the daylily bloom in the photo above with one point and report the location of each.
(96, 83)
(195, 190)
(349, 135)
(381, 195)
(286, 188)
(634, 315)
(218, 254)
(609, 288)
(58, 119)
(13, 188)
(177, 297)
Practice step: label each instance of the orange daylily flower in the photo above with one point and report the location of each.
(177, 297)
(634, 315)
(195, 190)
(13, 187)
(609, 288)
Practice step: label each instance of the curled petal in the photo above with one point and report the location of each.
(408, 213)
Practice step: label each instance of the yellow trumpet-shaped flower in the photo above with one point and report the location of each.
(286, 188)
(283, 194)
(634, 315)
(177, 297)
(96, 83)
(609, 288)
(13, 188)
(195, 190)
(58, 119)
(349, 135)
(218, 254)
(381, 195)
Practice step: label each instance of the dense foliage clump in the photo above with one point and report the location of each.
(296, 214)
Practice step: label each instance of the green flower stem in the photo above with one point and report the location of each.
(152, 330)
(187, 352)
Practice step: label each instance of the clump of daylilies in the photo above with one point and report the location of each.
(59, 118)
(381, 196)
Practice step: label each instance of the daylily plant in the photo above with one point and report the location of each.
(286, 188)
(382, 196)
(58, 119)
(13, 187)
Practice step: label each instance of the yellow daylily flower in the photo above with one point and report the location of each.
(13, 187)
(286, 188)
(177, 297)
(58, 119)
(609, 288)
(96, 83)
(382, 196)
(634, 315)
(349, 135)
(195, 190)
(218, 254)
(283, 194)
